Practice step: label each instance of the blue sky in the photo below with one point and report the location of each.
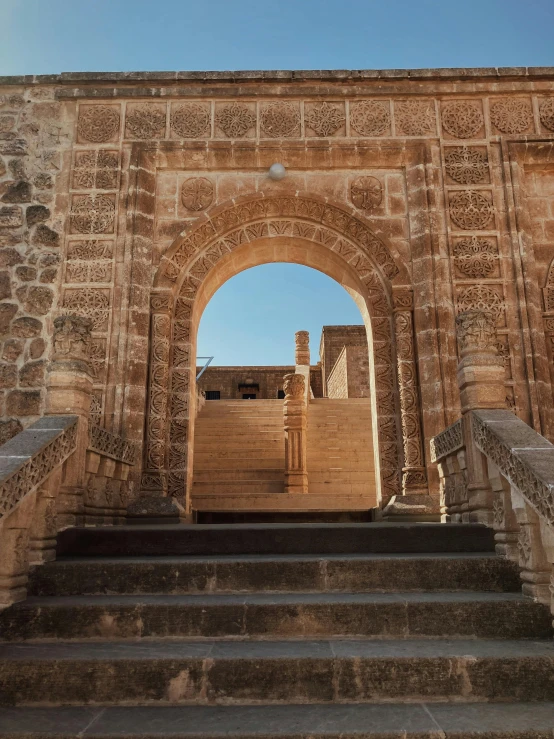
(253, 317)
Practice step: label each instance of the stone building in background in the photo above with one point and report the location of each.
(343, 359)
(131, 198)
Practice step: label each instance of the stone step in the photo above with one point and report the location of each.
(232, 474)
(240, 487)
(290, 573)
(278, 615)
(343, 488)
(317, 721)
(348, 474)
(209, 461)
(283, 502)
(300, 671)
(250, 443)
(254, 454)
(140, 540)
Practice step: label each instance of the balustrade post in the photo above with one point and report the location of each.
(302, 358)
(296, 425)
(481, 384)
(69, 391)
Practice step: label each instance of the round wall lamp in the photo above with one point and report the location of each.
(277, 171)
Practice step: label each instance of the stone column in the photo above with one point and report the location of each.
(69, 391)
(481, 382)
(302, 358)
(296, 425)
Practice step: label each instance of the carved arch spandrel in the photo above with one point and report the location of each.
(228, 231)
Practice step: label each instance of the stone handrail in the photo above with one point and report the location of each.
(109, 445)
(28, 459)
(447, 442)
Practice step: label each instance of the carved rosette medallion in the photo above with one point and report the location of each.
(366, 192)
(325, 119)
(512, 115)
(470, 210)
(92, 214)
(370, 117)
(414, 117)
(280, 120)
(475, 257)
(96, 169)
(98, 123)
(191, 120)
(462, 119)
(89, 302)
(145, 122)
(235, 120)
(546, 112)
(466, 166)
(483, 298)
(197, 193)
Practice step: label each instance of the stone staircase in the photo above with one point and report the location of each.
(340, 449)
(289, 631)
(239, 453)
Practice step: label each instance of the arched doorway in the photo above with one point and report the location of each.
(260, 230)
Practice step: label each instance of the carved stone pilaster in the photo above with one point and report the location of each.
(302, 353)
(296, 425)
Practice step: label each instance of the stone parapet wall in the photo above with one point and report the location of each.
(337, 382)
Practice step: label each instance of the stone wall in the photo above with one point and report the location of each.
(333, 340)
(233, 382)
(131, 198)
(349, 377)
(337, 382)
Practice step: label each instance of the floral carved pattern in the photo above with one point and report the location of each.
(96, 169)
(475, 257)
(466, 166)
(89, 302)
(280, 120)
(94, 271)
(235, 120)
(197, 193)
(366, 192)
(462, 118)
(511, 115)
(109, 445)
(191, 120)
(481, 298)
(98, 123)
(92, 214)
(89, 249)
(370, 117)
(524, 546)
(145, 122)
(546, 112)
(325, 119)
(414, 117)
(470, 210)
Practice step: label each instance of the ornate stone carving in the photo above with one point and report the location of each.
(89, 250)
(109, 445)
(145, 122)
(98, 123)
(92, 271)
(366, 192)
(498, 513)
(89, 302)
(235, 120)
(470, 210)
(72, 337)
(325, 119)
(302, 352)
(92, 214)
(97, 357)
(483, 298)
(191, 120)
(294, 386)
(462, 119)
(197, 193)
(466, 166)
(524, 546)
(475, 257)
(447, 442)
(511, 115)
(95, 415)
(370, 117)
(96, 169)
(414, 117)
(280, 120)
(546, 112)
(476, 330)
(39, 464)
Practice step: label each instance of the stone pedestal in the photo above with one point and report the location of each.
(296, 424)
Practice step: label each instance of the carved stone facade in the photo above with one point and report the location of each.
(128, 201)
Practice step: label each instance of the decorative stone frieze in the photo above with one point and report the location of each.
(191, 120)
(325, 119)
(415, 117)
(462, 119)
(98, 123)
(370, 117)
(511, 115)
(145, 121)
(466, 166)
(471, 210)
(235, 120)
(280, 120)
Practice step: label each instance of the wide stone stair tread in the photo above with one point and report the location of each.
(274, 539)
(309, 671)
(287, 572)
(380, 615)
(390, 721)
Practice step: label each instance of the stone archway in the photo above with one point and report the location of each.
(338, 240)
